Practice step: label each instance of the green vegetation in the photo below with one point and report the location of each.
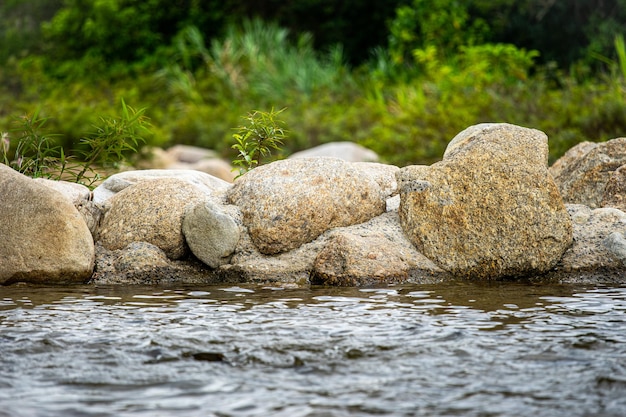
(34, 155)
(256, 139)
(400, 77)
(108, 146)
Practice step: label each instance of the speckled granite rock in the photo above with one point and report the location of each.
(592, 258)
(584, 176)
(145, 264)
(150, 211)
(383, 174)
(489, 209)
(614, 194)
(373, 253)
(572, 155)
(591, 228)
(291, 202)
(44, 238)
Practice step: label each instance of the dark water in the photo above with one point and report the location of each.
(457, 349)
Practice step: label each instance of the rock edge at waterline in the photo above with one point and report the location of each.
(338, 223)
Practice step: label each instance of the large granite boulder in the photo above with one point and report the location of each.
(583, 176)
(291, 202)
(489, 209)
(44, 238)
(149, 211)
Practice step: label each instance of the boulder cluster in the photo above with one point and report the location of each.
(491, 209)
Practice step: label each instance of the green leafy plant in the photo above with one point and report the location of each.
(34, 154)
(256, 139)
(113, 138)
(37, 156)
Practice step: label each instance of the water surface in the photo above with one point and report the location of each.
(457, 349)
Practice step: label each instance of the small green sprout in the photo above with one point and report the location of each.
(256, 139)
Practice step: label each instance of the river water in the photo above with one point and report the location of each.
(457, 349)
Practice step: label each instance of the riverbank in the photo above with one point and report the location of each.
(490, 210)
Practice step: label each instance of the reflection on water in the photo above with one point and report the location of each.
(458, 349)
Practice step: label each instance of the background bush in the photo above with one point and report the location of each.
(401, 77)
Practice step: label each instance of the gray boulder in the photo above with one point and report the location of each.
(215, 167)
(615, 243)
(200, 159)
(211, 234)
(489, 209)
(190, 154)
(291, 202)
(44, 238)
(149, 211)
(347, 151)
(586, 172)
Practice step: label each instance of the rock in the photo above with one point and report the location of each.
(291, 202)
(374, 253)
(614, 194)
(44, 238)
(615, 243)
(152, 157)
(81, 197)
(75, 193)
(383, 174)
(573, 154)
(594, 257)
(211, 234)
(212, 187)
(348, 151)
(215, 167)
(141, 263)
(591, 228)
(149, 211)
(489, 209)
(287, 269)
(190, 154)
(584, 176)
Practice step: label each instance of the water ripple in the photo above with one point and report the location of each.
(456, 349)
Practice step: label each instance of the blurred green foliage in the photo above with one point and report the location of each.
(400, 77)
